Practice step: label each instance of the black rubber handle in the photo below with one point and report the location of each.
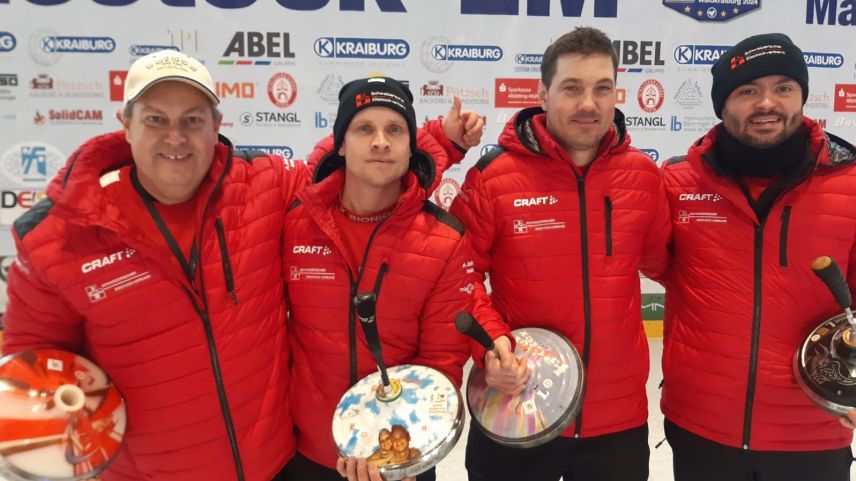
(467, 324)
(366, 305)
(828, 271)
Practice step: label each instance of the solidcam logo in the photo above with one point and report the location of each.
(31, 163)
(699, 54)
(533, 201)
(700, 197)
(7, 42)
(372, 48)
(46, 46)
(107, 260)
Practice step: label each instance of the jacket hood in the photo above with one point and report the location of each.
(526, 132)
(77, 187)
(829, 150)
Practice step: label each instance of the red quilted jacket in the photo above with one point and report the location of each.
(169, 346)
(741, 297)
(414, 261)
(563, 248)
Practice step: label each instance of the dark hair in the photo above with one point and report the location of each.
(582, 40)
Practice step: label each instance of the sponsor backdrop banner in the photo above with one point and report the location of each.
(279, 66)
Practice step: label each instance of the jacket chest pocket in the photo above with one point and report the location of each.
(783, 236)
(607, 209)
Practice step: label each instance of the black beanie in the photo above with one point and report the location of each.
(373, 92)
(754, 57)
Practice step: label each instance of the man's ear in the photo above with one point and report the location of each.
(542, 94)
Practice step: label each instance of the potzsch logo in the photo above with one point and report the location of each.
(257, 46)
(323, 250)
(699, 54)
(533, 201)
(700, 197)
(107, 260)
(374, 48)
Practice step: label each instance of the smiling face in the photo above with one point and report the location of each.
(580, 101)
(172, 132)
(764, 112)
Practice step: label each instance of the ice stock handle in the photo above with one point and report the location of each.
(467, 325)
(828, 271)
(366, 306)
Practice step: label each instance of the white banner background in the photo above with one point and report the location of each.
(51, 102)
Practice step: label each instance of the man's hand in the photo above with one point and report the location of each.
(849, 421)
(464, 128)
(505, 372)
(357, 469)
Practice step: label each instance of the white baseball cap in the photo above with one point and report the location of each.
(167, 65)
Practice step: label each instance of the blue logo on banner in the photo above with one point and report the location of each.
(141, 50)
(467, 53)
(376, 48)
(699, 54)
(712, 10)
(653, 153)
(830, 12)
(62, 44)
(283, 151)
(529, 58)
(824, 60)
(7, 42)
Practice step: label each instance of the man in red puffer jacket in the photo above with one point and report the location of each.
(753, 203)
(156, 255)
(365, 225)
(563, 216)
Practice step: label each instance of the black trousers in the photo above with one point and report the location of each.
(620, 456)
(699, 459)
(300, 468)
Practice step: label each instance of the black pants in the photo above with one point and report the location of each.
(301, 468)
(620, 456)
(698, 459)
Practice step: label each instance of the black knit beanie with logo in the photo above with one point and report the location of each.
(755, 57)
(361, 94)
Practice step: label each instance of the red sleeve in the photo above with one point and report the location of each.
(851, 272)
(441, 346)
(37, 316)
(658, 238)
(475, 210)
(454, 153)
